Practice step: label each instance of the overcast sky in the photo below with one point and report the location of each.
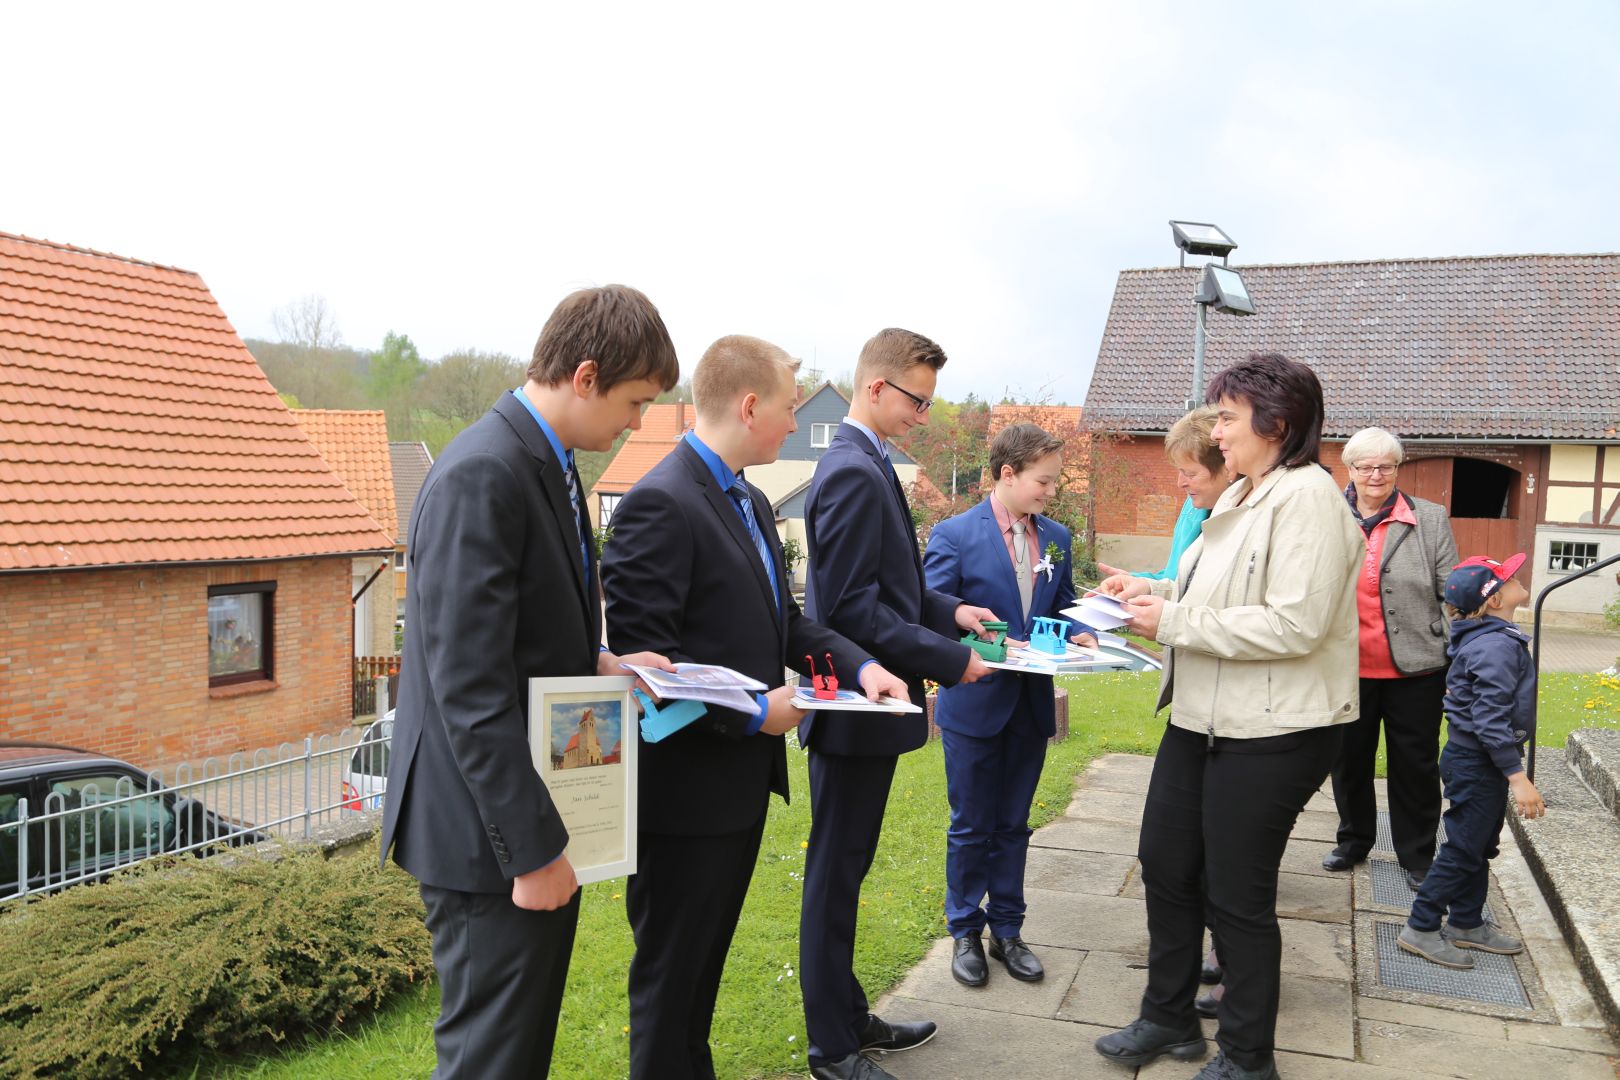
(810, 173)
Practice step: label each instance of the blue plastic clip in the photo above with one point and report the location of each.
(1046, 635)
(658, 724)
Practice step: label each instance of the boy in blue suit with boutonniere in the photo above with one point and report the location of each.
(1004, 555)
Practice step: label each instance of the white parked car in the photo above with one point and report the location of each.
(365, 774)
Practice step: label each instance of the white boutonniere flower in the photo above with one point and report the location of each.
(1053, 554)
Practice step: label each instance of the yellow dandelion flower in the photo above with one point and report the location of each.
(803, 844)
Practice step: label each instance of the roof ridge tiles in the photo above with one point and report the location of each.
(56, 245)
(1403, 260)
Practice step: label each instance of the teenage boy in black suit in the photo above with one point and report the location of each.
(694, 571)
(866, 582)
(504, 587)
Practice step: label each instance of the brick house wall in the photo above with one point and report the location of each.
(117, 660)
(1138, 502)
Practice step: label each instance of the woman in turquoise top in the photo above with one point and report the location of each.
(1201, 473)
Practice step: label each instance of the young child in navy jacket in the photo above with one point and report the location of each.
(1490, 712)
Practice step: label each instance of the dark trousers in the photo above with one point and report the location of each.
(1461, 873)
(1409, 710)
(1222, 817)
(501, 976)
(847, 799)
(683, 903)
(991, 782)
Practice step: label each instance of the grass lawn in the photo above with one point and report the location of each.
(759, 1024)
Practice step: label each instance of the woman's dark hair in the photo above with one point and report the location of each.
(1287, 402)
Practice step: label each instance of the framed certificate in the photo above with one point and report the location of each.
(582, 734)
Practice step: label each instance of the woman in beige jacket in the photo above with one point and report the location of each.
(1262, 671)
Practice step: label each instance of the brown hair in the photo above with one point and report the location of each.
(739, 364)
(893, 352)
(614, 325)
(1189, 437)
(1286, 399)
(1021, 445)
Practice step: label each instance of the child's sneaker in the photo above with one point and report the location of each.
(1431, 946)
(1486, 937)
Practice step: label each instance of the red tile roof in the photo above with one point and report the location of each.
(354, 442)
(661, 428)
(1508, 346)
(136, 428)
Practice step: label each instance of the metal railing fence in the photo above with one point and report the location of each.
(84, 830)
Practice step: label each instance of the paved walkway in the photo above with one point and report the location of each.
(1338, 1020)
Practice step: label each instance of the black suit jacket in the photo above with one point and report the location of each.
(683, 578)
(866, 582)
(497, 595)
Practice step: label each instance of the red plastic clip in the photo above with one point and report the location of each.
(826, 686)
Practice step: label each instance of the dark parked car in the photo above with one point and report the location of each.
(108, 814)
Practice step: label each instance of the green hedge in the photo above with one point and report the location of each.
(175, 956)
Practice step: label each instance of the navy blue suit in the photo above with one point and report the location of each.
(682, 577)
(994, 730)
(866, 582)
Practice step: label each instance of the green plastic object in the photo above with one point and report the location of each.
(994, 650)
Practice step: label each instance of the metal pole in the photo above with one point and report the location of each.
(1197, 398)
(1535, 641)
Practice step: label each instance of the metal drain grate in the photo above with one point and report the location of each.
(1386, 842)
(1389, 886)
(1493, 979)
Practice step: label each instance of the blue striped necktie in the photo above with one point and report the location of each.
(573, 504)
(745, 506)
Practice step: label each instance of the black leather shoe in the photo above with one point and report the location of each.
(1221, 1067)
(1210, 1004)
(1414, 880)
(1022, 964)
(1340, 859)
(967, 963)
(879, 1034)
(854, 1067)
(1210, 973)
(1142, 1040)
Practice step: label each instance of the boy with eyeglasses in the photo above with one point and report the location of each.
(866, 582)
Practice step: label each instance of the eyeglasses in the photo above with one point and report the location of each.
(1368, 470)
(923, 404)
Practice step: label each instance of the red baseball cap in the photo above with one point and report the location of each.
(1476, 578)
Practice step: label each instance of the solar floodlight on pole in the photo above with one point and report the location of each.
(1220, 286)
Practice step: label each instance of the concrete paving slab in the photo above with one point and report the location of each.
(1086, 921)
(1078, 871)
(1118, 772)
(1316, 825)
(1313, 897)
(1102, 804)
(1321, 898)
(1445, 1053)
(931, 980)
(1107, 990)
(1083, 834)
(1570, 1038)
(1321, 950)
(976, 1044)
(1316, 1016)
(1305, 857)
(1484, 1028)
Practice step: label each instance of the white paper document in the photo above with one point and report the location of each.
(852, 701)
(1099, 612)
(708, 683)
(1034, 662)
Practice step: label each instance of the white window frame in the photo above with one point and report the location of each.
(605, 509)
(821, 435)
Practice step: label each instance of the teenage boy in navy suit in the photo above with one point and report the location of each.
(1005, 554)
(866, 582)
(504, 588)
(694, 571)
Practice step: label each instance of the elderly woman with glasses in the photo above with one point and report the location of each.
(1403, 633)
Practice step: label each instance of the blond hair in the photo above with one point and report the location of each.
(737, 365)
(893, 352)
(1191, 437)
